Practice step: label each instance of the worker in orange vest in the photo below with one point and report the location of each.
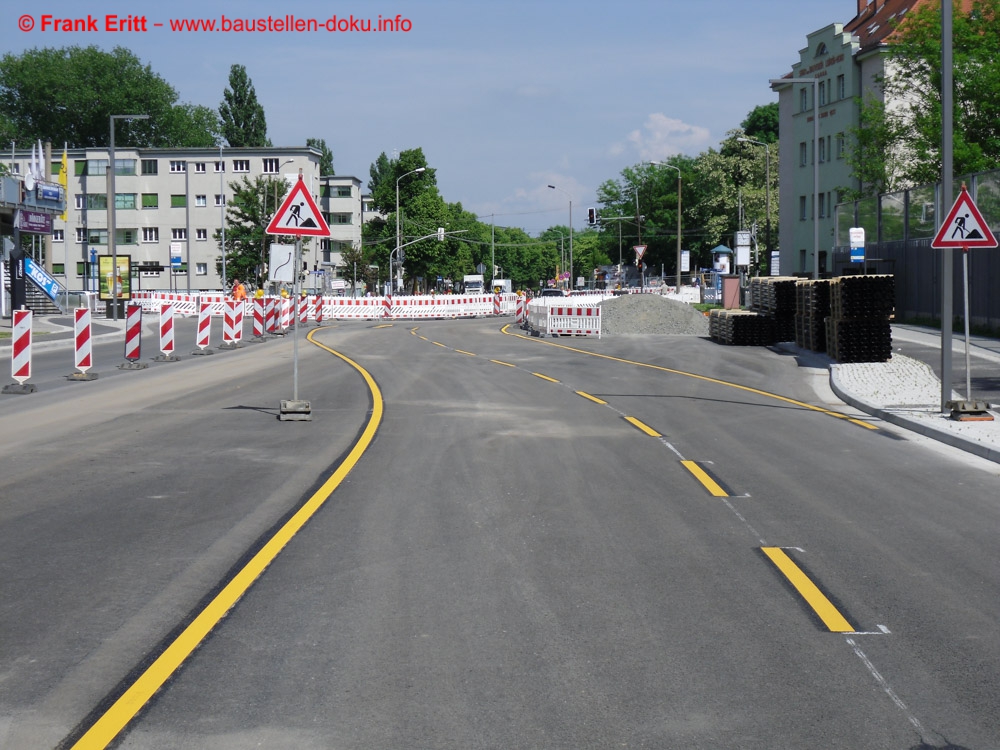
(239, 291)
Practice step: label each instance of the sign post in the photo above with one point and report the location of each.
(300, 217)
(857, 235)
(965, 228)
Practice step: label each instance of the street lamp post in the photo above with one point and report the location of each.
(664, 164)
(553, 187)
(112, 207)
(767, 189)
(398, 238)
(815, 211)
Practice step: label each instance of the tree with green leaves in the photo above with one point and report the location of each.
(243, 120)
(904, 139)
(762, 123)
(248, 213)
(67, 95)
(326, 155)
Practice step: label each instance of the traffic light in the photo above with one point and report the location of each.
(592, 216)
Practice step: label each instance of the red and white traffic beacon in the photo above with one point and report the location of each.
(965, 228)
(300, 217)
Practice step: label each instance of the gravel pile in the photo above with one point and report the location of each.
(644, 314)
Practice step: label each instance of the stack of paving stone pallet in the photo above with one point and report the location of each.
(775, 296)
(812, 308)
(858, 328)
(741, 327)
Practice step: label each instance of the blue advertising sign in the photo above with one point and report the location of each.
(42, 280)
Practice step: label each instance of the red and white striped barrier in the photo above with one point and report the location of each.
(564, 321)
(286, 314)
(133, 338)
(20, 353)
(167, 334)
(318, 304)
(83, 358)
(204, 326)
(496, 304)
(270, 315)
(303, 311)
(387, 306)
(232, 325)
(258, 317)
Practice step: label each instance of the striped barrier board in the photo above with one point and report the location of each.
(204, 325)
(20, 352)
(83, 358)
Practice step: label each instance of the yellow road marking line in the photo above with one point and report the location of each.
(834, 621)
(644, 427)
(595, 399)
(505, 364)
(544, 377)
(705, 378)
(384, 325)
(117, 717)
(438, 344)
(462, 351)
(702, 476)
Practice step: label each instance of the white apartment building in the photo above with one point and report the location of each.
(839, 64)
(170, 202)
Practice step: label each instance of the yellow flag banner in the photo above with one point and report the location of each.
(64, 181)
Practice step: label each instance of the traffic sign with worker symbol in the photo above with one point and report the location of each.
(964, 227)
(299, 215)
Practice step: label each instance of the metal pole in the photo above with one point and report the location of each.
(222, 217)
(113, 281)
(187, 225)
(947, 177)
(815, 83)
(968, 365)
(295, 312)
(571, 280)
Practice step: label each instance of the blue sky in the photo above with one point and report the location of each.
(504, 97)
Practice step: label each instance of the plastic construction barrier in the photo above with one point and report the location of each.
(562, 320)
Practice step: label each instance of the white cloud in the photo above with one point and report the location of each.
(663, 136)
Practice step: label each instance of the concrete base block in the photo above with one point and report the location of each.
(166, 358)
(133, 365)
(19, 389)
(295, 411)
(79, 376)
(202, 352)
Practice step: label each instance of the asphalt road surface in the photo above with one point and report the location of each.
(485, 540)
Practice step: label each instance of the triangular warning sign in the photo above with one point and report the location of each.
(964, 226)
(640, 250)
(299, 215)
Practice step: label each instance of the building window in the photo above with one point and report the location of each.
(241, 165)
(803, 99)
(199, 167)
(220, 200)
(822, 93)
(220, 166)
(97, 201)
(201, 269)
(97, 167)
(200, 201)
(125, 167)
(149, 166)
(822, 205)
(841, 90)
(178, 234)
(126, 237)
(340, 218)
(150, 200)
(822, 150)
(81, 235)
(802, 208)
(201, 234)
(270, 166)
(178, 201)
(178, 167)
(840, 145)
(80, 197)
(96, 236)
(58, 235)
(124, 200)
(79, 167)
(343, 191)
(803, 154)
(150, 234)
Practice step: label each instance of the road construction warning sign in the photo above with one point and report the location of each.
(964, 227)
(299, 215)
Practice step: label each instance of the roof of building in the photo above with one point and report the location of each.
(878, 20)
